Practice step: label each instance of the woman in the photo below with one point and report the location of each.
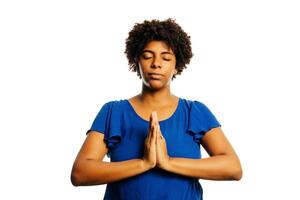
(153, 139)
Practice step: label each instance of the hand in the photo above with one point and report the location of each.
(149, 145)
(162, 157)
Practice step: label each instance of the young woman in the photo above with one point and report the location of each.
(153, 139)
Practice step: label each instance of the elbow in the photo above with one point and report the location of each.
(80, 175)
(237, 175)
(76, 177)
(236, 172)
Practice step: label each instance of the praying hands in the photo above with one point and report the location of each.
(155, 149)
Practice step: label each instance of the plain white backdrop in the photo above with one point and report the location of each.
(62, 60)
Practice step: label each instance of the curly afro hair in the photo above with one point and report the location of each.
(168, 31)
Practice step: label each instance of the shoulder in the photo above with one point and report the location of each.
(191, 103)
(116, 107)
(114, 103)
(112, 109)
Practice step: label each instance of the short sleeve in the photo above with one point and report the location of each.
(201, 120)
(108, 121)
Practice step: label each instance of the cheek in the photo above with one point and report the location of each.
(171, 65)
(142, 67)
(144, 63)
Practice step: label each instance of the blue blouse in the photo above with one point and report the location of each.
(124, 134)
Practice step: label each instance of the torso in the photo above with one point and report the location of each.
(162, 112)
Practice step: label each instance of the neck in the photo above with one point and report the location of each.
(156, 98)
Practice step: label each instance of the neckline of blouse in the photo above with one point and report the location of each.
(164, 120)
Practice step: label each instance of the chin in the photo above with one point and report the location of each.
(155, 85)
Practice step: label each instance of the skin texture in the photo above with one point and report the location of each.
(168, 31)
(156, 103)
(155, 55)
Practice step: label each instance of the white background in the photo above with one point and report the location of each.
(62, 60)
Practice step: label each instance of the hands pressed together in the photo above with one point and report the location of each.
(155, 150)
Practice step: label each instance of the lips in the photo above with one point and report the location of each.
(155, 76)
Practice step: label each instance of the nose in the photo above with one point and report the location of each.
(156, 63)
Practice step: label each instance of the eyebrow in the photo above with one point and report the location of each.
(164, 52)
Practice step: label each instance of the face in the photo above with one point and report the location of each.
(157, 64)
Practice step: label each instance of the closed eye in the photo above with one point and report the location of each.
(146, 57)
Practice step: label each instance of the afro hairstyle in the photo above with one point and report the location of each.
(168, 31)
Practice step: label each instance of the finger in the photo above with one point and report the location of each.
(159, 133)
(151, 125)
(157, 122)
(154, 120)
(151, 132)
(151, 120)
(154, 131)
(153, 135)
(155, 117)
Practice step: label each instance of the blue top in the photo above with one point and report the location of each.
(125, 132)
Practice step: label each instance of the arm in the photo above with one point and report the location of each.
(89, 169)
(223, 163)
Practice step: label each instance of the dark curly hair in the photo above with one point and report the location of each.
(168, 31)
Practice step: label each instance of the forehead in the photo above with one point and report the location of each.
(158, 45)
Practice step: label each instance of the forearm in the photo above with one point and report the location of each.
(95, 172)
(221, 167)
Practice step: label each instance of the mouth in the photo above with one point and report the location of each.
(155, 76)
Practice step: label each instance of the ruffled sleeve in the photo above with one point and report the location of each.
(201, 120)
(108, 122)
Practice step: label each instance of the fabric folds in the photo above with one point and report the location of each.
(201, 120)
(109, 122)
